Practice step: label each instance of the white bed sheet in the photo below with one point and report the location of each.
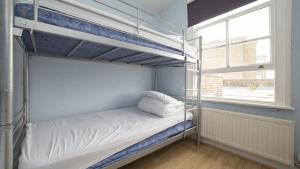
(81, 141)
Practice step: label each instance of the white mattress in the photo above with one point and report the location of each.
(81, 141)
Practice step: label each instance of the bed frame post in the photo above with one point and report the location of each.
(26, 86)
(185, 93)
(36, 8)
(155, 79)
(199, 108)
(185, 81)
(6, 84)
(138, 20)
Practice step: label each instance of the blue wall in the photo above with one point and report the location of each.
(170, 81)
(170, 77)
(119, 6)
(63, 87)
(176, 14)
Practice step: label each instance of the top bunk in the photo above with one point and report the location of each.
(73, 29)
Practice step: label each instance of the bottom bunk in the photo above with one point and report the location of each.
(142, 145)
(109, 137)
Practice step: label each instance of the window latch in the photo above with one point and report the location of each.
(261, 66)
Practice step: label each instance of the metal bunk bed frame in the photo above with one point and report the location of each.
(35, 25)
(13, 127)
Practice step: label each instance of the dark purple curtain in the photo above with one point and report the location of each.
(201, 10)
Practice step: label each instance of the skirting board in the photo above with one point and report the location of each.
(246, 155)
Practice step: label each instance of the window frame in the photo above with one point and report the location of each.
(280, 43)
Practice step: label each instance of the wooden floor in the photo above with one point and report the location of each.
(185, 154)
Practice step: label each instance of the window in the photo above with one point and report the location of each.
(239, 42)
(242, 58)
(248, 85)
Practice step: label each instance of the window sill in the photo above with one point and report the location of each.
(250, 104)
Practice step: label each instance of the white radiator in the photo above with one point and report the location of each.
(266, 137)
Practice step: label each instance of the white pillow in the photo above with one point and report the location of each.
(158, 108)
(161, 97)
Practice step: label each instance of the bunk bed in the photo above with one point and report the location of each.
(70, 29)
(96, 140)
(48, 25)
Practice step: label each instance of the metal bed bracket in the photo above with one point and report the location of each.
(154, 63)
(168, 64)
(106, 53)
(72, 51)
(17, 31)
(32, 37)
(18, 36)
(142, 60)
(128, 56)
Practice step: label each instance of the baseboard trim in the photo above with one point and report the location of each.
(246, 155)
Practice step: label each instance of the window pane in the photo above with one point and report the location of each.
(255, 52)
(213, 36)
(252, 86)
(214, 58)
(250, 26)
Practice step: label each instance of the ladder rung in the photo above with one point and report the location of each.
(192, 70)
(192, 97)
(191, 109)
(190, 129)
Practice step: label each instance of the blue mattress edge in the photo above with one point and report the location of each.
(26, 10)
(143, 145)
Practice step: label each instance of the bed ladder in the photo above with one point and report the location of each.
(193, 93)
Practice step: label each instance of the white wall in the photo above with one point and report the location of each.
(64, 87)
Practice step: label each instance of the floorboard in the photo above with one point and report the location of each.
(185, 154)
